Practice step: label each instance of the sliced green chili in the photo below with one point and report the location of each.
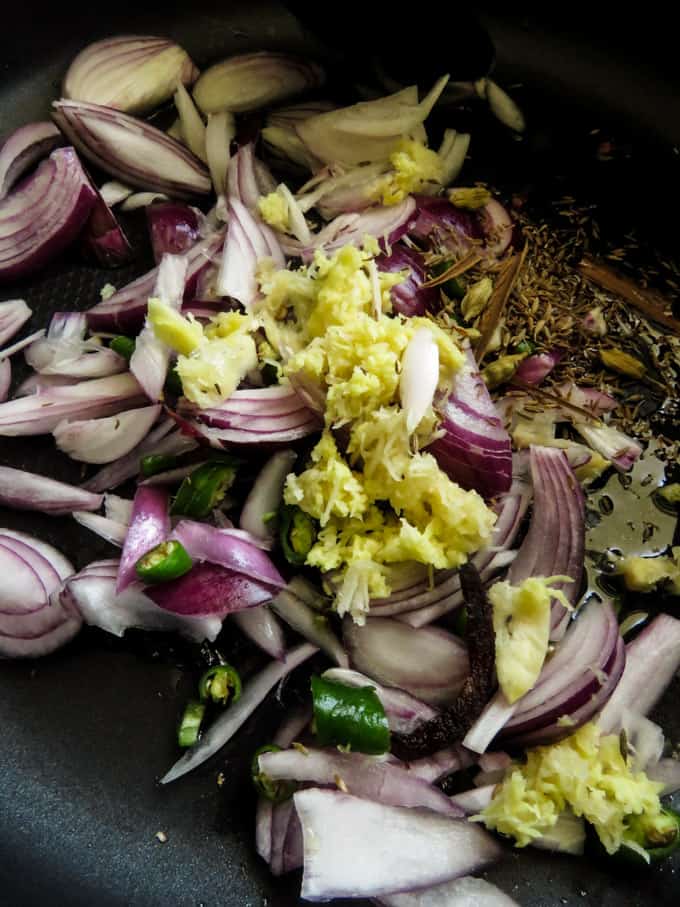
(190, 725)
(297, 532)
(453, 287)
(276, 791)
(659, 837)
(349, 716)
(166, 561)
(221, 684)
(173, 383)
(203, 490)
(124, 346)
(152, 464)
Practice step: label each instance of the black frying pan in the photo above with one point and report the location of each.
(84, 733)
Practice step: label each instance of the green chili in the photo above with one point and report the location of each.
(659, 837)
(453, 287)
(190, 725)
(124, 346)
(173, 383)
(155, 463)
(204, 489)
(297, 532)
(349, 716)
(220, 684)
(276, 791)
(166, 561)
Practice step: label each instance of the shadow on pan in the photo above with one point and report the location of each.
(86, 732)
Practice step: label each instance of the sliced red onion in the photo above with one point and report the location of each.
(114, 192)
(27, 491)
(429, 663)
(103, 240)
(475, 450)
(286, 840)
(227, 724)
(43, 214)
(151, 357)
(105, 440)
(163, 439)
(364, 776)
(439, 223)
(292, 604)
(41, 413)
(474, 800)
(570, 677)
(210, 589)
(149, 526)
(216, 546)
(219, 134)
(498, 227)
(250, 81)
(14, 313)
(64, 351)
(534, 369)
(92, 592)
(142, 200)
(345, 192)
(555, 542)
(5, 378)
(131, 150)
(613, 444)
(24, 147)
(652, 659)
(23, 592)
(452, 153)
(667, 772)
(419, 377)
(356, 848)
(248, 179)
(645, 740)
(174, 228)
(262, 628)
(589, 398)
(60, 563)
(409, 297)
(465, 892)
(248, 243)
(135, 73)
(21, 344)
(266, 495)
(103, 526)
(38, 384)
(119, 509)
(16, 647)
(440, 764)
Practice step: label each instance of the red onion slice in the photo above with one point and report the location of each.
(429, 663)
(248, 243)
(61, 564)
(652, 659)
(41, 413)
(125, 310)
(534, 369)
(43, 214)
(299, 605)
(266, 495)
(14, 313)
(5, 378)
(611, 443)
(210, 589)
(149, 526)
(248, 179)
(409, 297)
(92, 592)
(205, 543)
(465, 892)
(368, 777)
(263, 629)
(103, 240)
(29, 491)
(23, 591)
(356, 848)
(65, 351)
(174, 228)
(102, 526)
(227, 724)
(131, 150)
(24, 147)
(105, 440)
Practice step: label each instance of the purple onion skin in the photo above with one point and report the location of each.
(440, 215)
(103, 239)
(173, 228)
(409, 298)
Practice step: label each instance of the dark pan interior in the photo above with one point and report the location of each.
(85, 733)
